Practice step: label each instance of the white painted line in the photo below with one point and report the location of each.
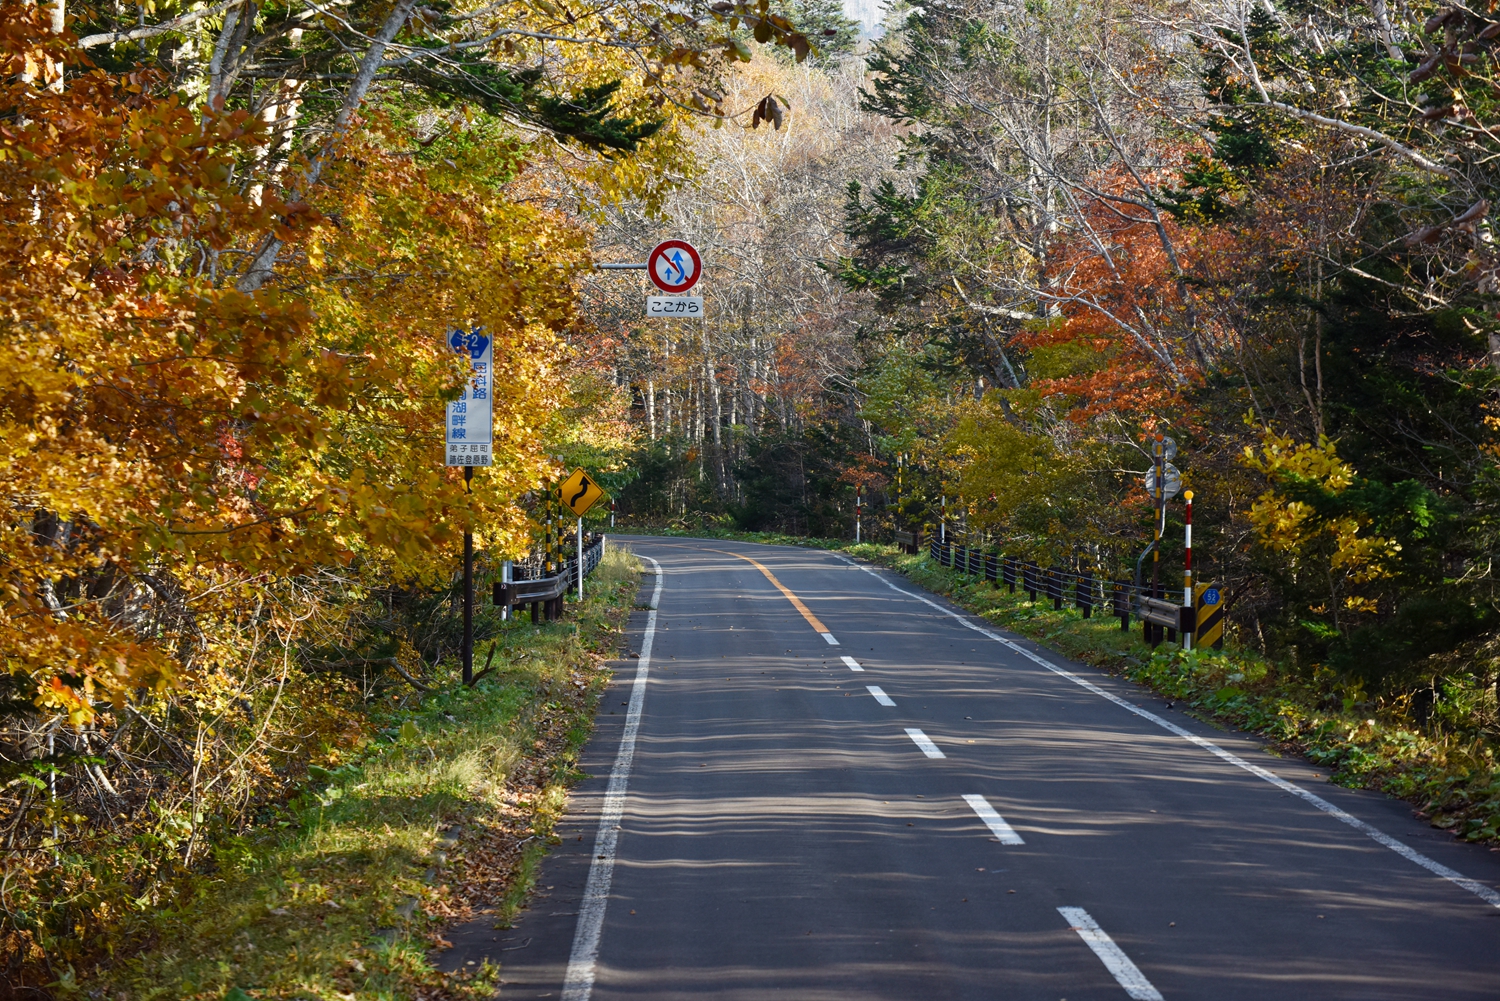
(830, 639)
(1486, 893)
(853, 664)
(880, 696)
(925, 743)
(1002, 831)
(1111, 955)
(578, 983)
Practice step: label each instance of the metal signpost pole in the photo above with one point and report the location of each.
(1161, 507)
(1154, 632)
(856, 518)
(580, 559)
(468, 590)
(1187, 564)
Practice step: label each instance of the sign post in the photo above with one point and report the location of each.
(674, 266)
(1163, 482)
(469, 442)
(471, 429)
(580, 493)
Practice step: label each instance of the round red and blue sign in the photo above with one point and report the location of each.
(674, 266)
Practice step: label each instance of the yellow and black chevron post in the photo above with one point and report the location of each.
(1210, 604)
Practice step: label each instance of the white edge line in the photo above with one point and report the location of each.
(925, 743)
(852, 664)
(1486, 893)
(880, 695)
(1111, 955)
(830, 639)
(998, 827)
(578, 983)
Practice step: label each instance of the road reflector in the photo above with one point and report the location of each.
(580, 493)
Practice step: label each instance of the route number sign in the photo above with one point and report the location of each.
(580, 493)
(470, 438)
(674, 266)
(668, 305)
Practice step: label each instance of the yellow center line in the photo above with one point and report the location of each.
(812, 619)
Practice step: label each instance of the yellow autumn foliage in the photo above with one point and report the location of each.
(1296, 530)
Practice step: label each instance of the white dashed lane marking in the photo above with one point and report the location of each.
(853, 664)
(925, 743)
(1112, 956)
(880, 696)
(1488, 894)
(1002, 831)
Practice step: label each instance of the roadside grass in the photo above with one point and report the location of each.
(344, 893)
(1451, 777)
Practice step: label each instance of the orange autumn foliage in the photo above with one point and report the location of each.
(1129, 337)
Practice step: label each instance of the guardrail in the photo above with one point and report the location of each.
(545, 594)
(1080, 588)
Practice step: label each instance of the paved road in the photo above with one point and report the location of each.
(984, 827)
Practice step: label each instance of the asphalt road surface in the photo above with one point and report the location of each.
(819, 781)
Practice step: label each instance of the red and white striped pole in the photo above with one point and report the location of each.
(1187, 565)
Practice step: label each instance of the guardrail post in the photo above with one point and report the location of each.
(1119, 595)
(1083, 594)
(1008, 572)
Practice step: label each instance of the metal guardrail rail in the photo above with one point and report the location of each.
(545, 594)
(1080, 588)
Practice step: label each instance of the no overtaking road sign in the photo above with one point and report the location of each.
(674, 266)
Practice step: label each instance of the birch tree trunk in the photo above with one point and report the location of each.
(264, 264)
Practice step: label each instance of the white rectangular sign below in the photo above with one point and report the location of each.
(674, 305)
(471, 429)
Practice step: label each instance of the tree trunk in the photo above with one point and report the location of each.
(265, 260)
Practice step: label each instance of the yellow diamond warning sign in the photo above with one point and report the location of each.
(580, 493)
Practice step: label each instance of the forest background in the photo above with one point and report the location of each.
(1064, 228)
(998, 248)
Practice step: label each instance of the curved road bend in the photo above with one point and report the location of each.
(955, 820)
